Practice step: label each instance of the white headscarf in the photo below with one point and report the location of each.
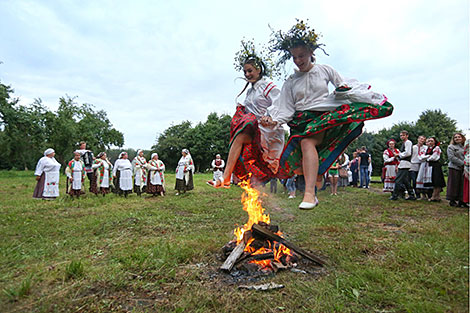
(139, 151)
(153, 154)
(185, 151)
(48, 151)
(122, 154)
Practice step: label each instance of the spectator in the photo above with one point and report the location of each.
(354, 168)
(390, 166)
(184, 173)
(436, 177)
(333, 173)
(403, 176)
(419, 149)
(456, 161)
(364, 160)
(217, 166)
(343, 170)
(290, 184)
(47, 177)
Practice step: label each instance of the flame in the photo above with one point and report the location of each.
(253, 207)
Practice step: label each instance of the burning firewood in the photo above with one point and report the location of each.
(260, 242)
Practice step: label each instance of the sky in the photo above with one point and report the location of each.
(153, 64)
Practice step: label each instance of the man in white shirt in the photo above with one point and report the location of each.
(403, 176)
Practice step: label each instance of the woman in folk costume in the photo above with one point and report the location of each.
(122, 172)
(218, 167)
(456, 161)
(430, 173)
(75, 173)
(47, 176)
(322, 124)
(102, 172)
(139, 165)
(390, 165)
(184, 173)
(254, 148)
(156, 176)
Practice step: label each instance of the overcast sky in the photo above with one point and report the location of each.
(151, 64)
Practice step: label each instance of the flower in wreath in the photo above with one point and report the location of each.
(299, 35)
(261, 57)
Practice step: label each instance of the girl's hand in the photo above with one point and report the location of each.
(267, 121)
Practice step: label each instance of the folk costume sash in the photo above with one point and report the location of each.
(100, 171)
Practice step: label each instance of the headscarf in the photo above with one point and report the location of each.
(153, 154)
(139, 151)
(48, 151)
(185, 151)
(217, 155)
(390, 140)
(122, 154)
(100, 155)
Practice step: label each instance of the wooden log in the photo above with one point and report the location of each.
(232, 258)
(261, 231)
(257, 257)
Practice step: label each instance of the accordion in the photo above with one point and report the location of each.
(87, 158)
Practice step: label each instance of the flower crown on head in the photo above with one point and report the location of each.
(261, 58)
(299, 35)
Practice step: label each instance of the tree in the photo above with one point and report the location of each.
(204, 141)
(22, 134)
(26, 131)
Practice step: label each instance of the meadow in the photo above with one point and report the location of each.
(161, 254)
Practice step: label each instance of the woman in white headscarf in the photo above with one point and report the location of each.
(184, 173)
(139, 164)
(47, 175)
(156, 176)
(122, 172)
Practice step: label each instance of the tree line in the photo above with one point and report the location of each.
(26, 131)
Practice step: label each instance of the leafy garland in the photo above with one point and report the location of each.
(261, 57)
(299, 35)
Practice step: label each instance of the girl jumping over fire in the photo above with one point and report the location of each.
(254, 148)
(321, 124)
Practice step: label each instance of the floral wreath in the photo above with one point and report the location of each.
(261, 58)
(300, 34)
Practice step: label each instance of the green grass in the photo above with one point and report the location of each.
(148, 254)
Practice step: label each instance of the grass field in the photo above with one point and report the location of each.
(148, 254)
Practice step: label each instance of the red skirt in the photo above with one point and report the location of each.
(251, 157)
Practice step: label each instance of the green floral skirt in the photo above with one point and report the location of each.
(341, 127)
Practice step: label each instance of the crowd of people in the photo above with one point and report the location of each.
(417, 169)
(124, 177)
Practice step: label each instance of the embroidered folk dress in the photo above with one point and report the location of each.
(47, 187)
(308, 108)
(261, 157)
(184, 174)
(140, 173)
(390, 165)
(218, 168)
(123, 171)
(430, 173)
(76, 170)
(156, 177)
(101, 176)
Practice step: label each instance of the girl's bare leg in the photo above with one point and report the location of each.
(234, 154)
(332, 182)
(310, 164)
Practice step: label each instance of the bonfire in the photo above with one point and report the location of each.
(259, 242)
